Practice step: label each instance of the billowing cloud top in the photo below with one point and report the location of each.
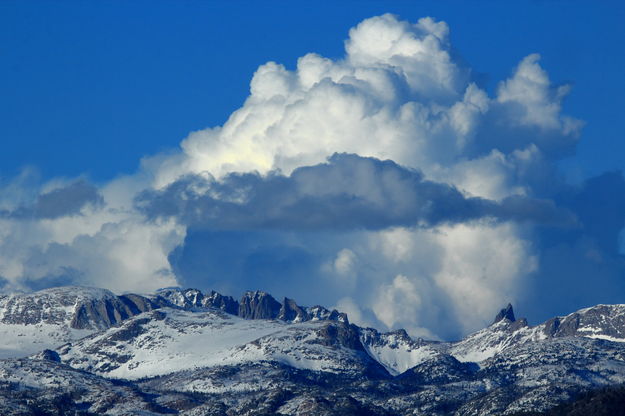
(386, 183)
(398, 95)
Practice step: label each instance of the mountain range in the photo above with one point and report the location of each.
(83, 351)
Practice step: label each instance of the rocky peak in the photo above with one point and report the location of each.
(194, 297)
(518, 324)
(49, 355)
(50, 306)
(340, 334)
(291, 312)
(258, 305)
(187, 298)
(506, 313)
(103, 313)
(219, 301)
(319, 313)
(600, 321)
(253, 305)
(73, 306)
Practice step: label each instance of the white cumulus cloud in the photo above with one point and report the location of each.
(398, 94)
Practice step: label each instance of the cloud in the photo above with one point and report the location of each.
(539, 103)
(421, 50)
(344, 262)
(128, 254)
(393, 145)
(60, 202)
(398, 298)
(387, 182)
(347, 192)
(71, 232)
(398, 94)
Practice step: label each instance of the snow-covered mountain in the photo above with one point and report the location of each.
(32, 322)
(169, 340)
(71, 350)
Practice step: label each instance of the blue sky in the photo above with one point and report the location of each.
(147, 144)
(91, 87)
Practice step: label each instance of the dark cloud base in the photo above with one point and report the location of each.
(348, 192)
(60, 202)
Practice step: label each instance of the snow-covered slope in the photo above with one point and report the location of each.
(257, 355)
(396, 351)
(32, 322)
(41, 386)
(169, 340)
(494, 339)
(601, 321)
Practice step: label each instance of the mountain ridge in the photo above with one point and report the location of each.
(174, 344)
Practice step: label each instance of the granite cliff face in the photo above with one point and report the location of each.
(194, 353)
(30, 322)
(109, 311)
(505, 313)
(252, 305)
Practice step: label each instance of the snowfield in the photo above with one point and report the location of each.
(188, 352)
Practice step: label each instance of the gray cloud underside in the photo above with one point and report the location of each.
(60, 202)
(347, 192)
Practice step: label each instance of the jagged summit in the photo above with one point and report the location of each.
(258, 305)
(291, 311)
(281, 358)
(505, 313)
(252, 305)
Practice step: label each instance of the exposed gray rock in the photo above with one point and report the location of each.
(194, 298)
(73, 307)
(291, 312)
(602, 321)
(319, 313)
(562, 327)
(258, 305)
(137, 304)
(569, 325)
(218, 301)
(50, 355)
(505, 313)
(518, 324)
(181, 298)
(50, 306)
(442, 369)
(107, 312)
(35, 387)
(253, 305)
(314, 362)
(342, 335)
(552, 326)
